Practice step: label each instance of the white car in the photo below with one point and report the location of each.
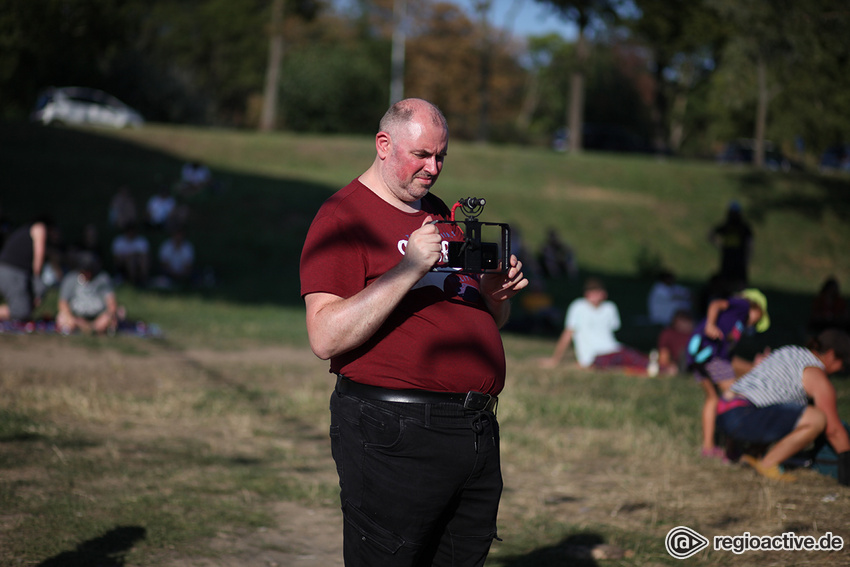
(82, 105)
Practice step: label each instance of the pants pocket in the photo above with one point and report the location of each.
(371, 531)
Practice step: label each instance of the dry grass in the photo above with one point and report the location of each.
(221, 458)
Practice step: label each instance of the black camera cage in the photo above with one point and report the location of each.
(472, 255)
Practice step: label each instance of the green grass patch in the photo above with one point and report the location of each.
(203, 428)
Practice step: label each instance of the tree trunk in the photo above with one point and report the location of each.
(761, 112)
(268, 117)
(575, 112)
(529, 101)
(677, 121)
(679, 107)
(398, 51)
(483, 9)
(658, 114)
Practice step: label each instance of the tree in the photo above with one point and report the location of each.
(398, 51)
(815, 99)
(268, 116)
(758, 48)
(584, 14)
(58, 43)
(482, 8)
(684, 38)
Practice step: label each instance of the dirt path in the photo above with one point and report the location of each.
(302, 537)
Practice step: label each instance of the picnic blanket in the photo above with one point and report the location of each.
(48, 326)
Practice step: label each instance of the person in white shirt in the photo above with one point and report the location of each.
(195, 177)
(177, 257)
(160, 207)
(590, 325)
(130, 255)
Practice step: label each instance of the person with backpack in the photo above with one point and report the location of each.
(711, 353)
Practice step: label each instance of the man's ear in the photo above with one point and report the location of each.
(383, 144)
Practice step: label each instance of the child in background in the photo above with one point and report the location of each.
(710, 353)
(673, 343)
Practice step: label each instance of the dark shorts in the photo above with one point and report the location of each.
(419, 483)
(765, 425)
(15, 289)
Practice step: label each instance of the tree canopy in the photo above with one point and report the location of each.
(673, 76)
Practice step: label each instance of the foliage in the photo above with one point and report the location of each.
(683, 39)
(314, 77)
(678, 72)
(614, 74)
(56, 41)
(589, 15)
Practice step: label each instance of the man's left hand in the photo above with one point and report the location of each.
(499, 287)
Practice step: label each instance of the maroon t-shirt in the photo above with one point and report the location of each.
(441, 337)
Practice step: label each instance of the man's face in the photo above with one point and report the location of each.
(415, 159)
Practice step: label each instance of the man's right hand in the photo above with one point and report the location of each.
(336, 325)
(424, 247)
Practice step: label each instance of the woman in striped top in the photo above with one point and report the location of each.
(769, 404)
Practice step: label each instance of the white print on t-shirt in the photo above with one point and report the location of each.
(444, 249)
(452, 233)
(458, 286)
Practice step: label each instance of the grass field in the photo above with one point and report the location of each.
(209, 446)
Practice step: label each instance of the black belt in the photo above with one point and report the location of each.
(475, 401)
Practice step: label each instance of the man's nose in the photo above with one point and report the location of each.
(432, 165)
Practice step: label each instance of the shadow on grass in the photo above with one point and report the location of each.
(107, 550)
(251, 233)
(576, 550)
(826, 194)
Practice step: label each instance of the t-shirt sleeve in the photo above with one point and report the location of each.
(66, 288)
(572, 318)
(104, 285)
(615, 317)
(331, 261)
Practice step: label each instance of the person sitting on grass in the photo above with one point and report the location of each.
(177, 258)
(590, 325)
(710, 353)
(86, 300)
(672, 344)
(130, 255)
(770, 404)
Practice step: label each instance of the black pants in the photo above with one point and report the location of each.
(419, 483)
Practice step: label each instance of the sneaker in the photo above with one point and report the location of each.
(773, 473)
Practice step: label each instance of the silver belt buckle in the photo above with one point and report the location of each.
(477, 401)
